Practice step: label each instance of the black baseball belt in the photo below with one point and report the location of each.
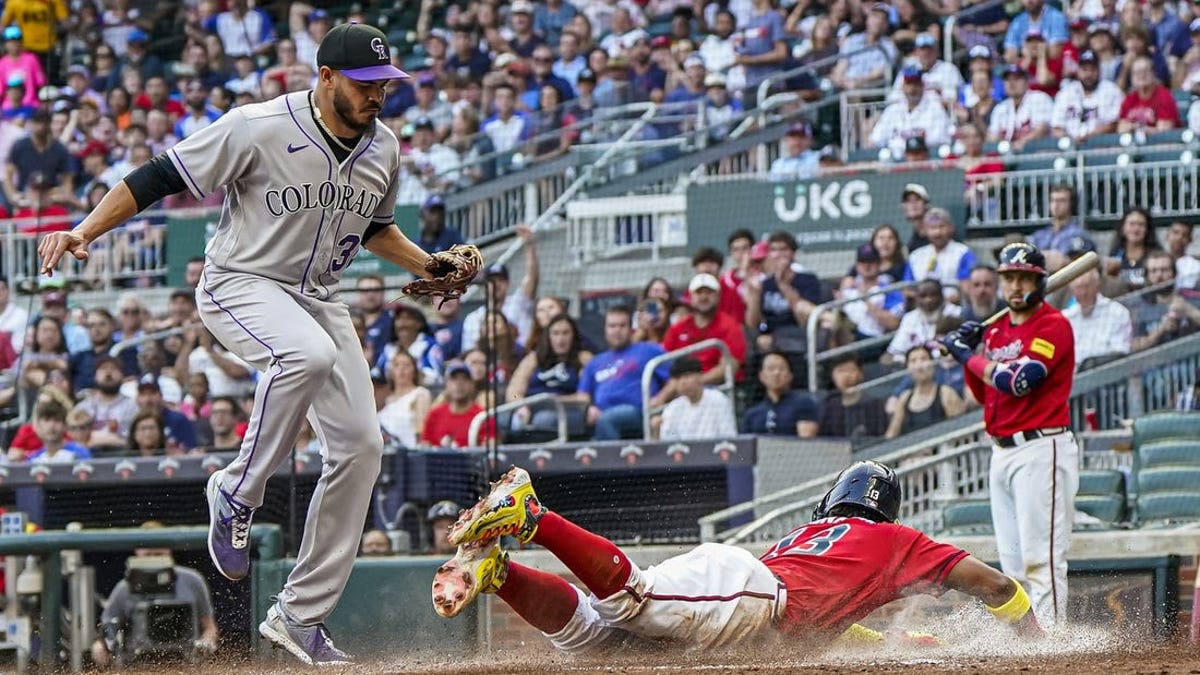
(1022, 437)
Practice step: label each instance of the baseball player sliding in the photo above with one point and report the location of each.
(815, 582)
(1024, 379)
(310, 178)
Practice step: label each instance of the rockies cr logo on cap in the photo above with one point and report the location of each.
(358, 51)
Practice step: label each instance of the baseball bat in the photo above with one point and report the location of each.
(1057, 280)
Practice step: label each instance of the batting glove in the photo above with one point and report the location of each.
(972, 333)
(959, 346)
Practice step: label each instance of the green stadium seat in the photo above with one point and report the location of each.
(1101, 482)
(1169, 479)
(1109, 141)
(1166, 425)
(972, 516)
(1108, 508)
(1168, 507)
(863, 155)
(1040, 163)
(1043, 144)
(1161, 155)
(1171, 136)
(1169, 452)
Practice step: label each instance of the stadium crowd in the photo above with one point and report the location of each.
(94, 90)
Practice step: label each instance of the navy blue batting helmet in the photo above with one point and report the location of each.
(1024, 257)
(867, 489)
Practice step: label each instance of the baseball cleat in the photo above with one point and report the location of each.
(312, 645)
(510, 508)
(228, 530)
(478, 567)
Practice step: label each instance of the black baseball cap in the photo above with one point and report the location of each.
(358, 51)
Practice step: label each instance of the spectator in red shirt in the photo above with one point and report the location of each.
(1045, 70)
(158, 97)
(1149, 105)
(42, 214)
(448, 423)
(703, 323)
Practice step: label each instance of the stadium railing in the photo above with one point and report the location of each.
(814, 321)
(560, 411)
(726, 386)
(1132, 386)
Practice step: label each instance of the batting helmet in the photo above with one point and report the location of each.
(867, 489)
(1024, 257)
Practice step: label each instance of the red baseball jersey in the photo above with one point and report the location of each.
(1045, 336)
(838, 570)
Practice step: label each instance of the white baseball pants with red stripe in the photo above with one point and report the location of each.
(1033, 490)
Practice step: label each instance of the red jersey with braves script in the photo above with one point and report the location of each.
(1045, 336)
(838, 570)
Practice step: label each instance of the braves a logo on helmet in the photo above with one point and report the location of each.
(380, 48)
(1020, 256)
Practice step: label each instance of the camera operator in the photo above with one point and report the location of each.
(189, 586)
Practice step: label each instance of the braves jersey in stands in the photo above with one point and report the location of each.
(837, 570)
(1012, 121)
(1045, 336)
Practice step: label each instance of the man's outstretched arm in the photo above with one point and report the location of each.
(1001, 594)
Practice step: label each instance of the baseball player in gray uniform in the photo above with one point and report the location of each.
(310, 178)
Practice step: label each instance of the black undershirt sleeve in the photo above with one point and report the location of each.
(154, 180)
(374, 228)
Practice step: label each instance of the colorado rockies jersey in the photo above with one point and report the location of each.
(1045, 336)
(838, 570)
(292, 212)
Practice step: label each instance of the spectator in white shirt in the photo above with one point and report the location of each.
(797, 160)
(698, 412)
(1024, 115)
(429, 167)
(948, 261)
(717, 48)
(875, 314)
(516, 306)
(918, 114)
(1102, 327)
(13, 318)
(245, 31)
(920, 325)
(940, 78)
(1087, 106)
(508, 126)
(866, 56)
(1187, 267)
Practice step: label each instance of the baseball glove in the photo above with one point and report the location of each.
(451, 271)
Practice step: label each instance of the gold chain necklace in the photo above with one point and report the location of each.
(325, 127)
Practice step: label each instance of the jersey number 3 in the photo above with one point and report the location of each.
(344, 252)
(818, 545)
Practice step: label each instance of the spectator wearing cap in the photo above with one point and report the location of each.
(50, 423)
(436, 235)
(507, 126)
(717, 48)
(585, 104)
(551, 18)
(980, 93)
(706, 321)
(177, 428)
(943, 258)
(692, 85)
(1063, 227)
(611, 383)
(244, 31)
(919, 113)
(520, 23)
(515, 303)
(100, 327)
(698, 412)
(1050, 23)
(719, 108)
(763, 48)
(915, 150)
(1045, 71)
(914, 204)
(440, 517)
(137, 57)
(428, 167)
(1024, 115)
(79, 85)
(1149, 106)
(860, 66)
(307, 27)
(17, 61)
(111, 410)
(429, 106)
(874, 313)
(1088, 105)
(410, 333)
(939, 77)
(570, 61)
(15, 110)
(1187, 267)
(448, 423)
(797, 160)
(1102, 327)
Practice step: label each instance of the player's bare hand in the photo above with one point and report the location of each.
(55, 245)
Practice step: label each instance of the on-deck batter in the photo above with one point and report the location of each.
(310, 178)
(1024, 379)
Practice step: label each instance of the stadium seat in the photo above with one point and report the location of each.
(1170, 452)
(1161, 155)
(1166, 425)
(1044, 144)
(1168, 507)
(1041, 163)
(1101, 482)
(972, 516)
(1169, 479)
(863, 155)
(1108, 508)
(1103, 141)
(1171, 136)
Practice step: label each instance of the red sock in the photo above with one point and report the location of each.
(547, 602)
(598, 562)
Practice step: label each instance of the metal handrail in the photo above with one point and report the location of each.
(652, 364)
(814, 319)
(121, 346)
(560, 409)
(764, 87)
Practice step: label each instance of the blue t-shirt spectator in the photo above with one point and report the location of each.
(759, 36)
(779, 418)
(179, 428)
(550, 21)
(1052, 23)
(614, 378)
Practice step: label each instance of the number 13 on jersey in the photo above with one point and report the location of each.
(800, 542)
